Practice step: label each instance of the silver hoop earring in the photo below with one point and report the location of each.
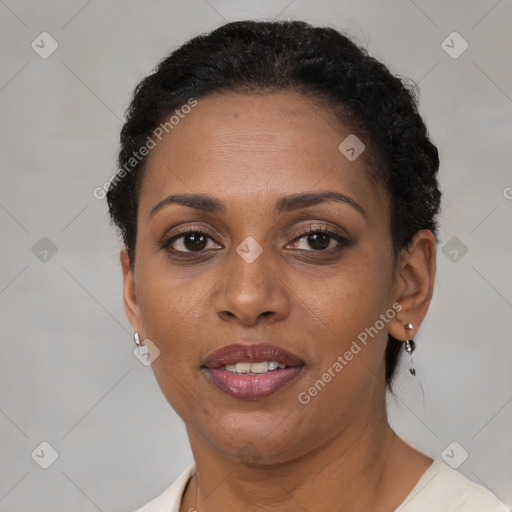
(409, 348)
(136, 339)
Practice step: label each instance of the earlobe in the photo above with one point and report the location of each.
(414, 284)
(131, 306)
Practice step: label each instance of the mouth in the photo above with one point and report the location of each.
(251, 372)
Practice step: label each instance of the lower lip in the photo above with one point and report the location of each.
(252, 387)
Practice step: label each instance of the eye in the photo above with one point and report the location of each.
(320, 239)
(189, 241)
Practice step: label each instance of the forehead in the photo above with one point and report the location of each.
(256, 147)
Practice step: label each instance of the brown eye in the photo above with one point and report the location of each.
(320, 240)
(195, 241)
(188, 242)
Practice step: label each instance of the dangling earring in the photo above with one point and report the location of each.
(409, 348)
(137, 339)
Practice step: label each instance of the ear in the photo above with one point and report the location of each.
(414, 284)
(131, 305)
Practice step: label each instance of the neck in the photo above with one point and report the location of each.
(352, 471)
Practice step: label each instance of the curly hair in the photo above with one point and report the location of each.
(324, 65)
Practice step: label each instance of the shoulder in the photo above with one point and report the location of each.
(170, 499)
(442, 489)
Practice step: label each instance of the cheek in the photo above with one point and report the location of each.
(171, 315)
(171, 311)
(342, 318)
(348, 298)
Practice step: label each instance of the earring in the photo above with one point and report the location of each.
(137, 339)
(409, 348)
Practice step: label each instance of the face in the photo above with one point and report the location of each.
(264, 259)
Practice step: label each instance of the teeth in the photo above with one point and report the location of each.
(254, 368)
(243, 367)
(259, 367)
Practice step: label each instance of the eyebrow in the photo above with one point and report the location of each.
(288, 203)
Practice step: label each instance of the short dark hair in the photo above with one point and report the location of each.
(320, 62)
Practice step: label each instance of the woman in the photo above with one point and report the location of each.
(277, 197)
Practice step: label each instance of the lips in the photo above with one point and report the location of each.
(251, 386)
(241, 353)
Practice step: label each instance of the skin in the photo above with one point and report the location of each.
(337, 452)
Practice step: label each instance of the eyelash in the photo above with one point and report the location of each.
(342, 241)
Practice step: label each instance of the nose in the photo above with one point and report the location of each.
(251, 292)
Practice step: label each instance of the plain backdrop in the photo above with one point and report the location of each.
(68, 374)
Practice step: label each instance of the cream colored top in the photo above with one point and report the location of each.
(440, 489)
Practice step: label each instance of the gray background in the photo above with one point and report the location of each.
(68, 375)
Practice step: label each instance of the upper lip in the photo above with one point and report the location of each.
(252, 353)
